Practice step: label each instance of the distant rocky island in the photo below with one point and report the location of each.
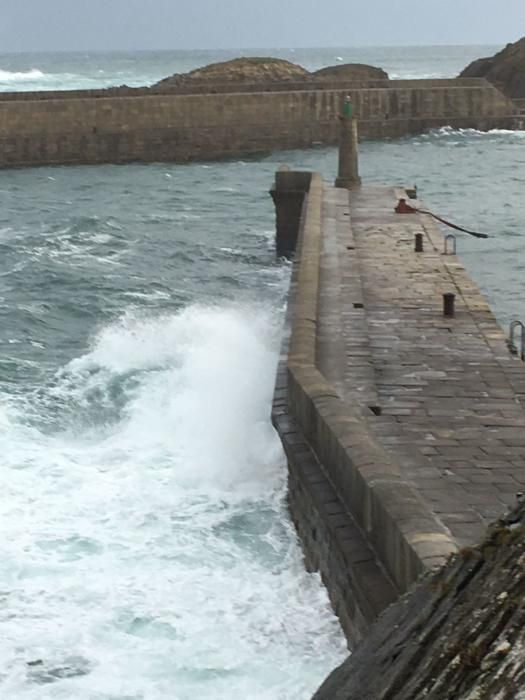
(505, 70)
(266, 69)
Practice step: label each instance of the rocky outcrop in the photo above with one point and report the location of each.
(263, 70)
(505, 70)
(240, 70)
(460, 634)
(350, 71)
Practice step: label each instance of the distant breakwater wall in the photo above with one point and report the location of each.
(221, 121)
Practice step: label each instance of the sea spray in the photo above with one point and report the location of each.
(150, 556)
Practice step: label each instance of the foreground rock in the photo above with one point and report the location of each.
(505, 70)
(460, 634)
(264, 70)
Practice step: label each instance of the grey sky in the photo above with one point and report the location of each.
(38, 25)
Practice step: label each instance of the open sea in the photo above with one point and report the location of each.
(146, 551)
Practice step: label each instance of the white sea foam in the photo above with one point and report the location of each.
(151, 557)
(451, 131)
(416, 75)
(20, 76)
(36, 79)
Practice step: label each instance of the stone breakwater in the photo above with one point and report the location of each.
(404, 428)
(202, 122)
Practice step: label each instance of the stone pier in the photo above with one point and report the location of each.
(404, 429)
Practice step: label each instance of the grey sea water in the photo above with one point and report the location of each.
(82, 70)
(146, 550)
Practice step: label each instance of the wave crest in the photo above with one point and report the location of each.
(7, 76)
(446, 131)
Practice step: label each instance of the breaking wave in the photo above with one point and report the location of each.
(447, 131)
(20, 76)
(146, 549)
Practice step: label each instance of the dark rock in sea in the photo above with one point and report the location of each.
(350, 71)
(505, 70)
(459, 634)
(70, 667)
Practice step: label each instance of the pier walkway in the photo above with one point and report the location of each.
(443, 395)
(404, 429)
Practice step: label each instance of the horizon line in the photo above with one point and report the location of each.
(291, 49)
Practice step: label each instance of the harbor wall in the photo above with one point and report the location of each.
(126, 125)
(361, 524)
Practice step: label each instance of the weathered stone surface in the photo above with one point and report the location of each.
(449, 409)
(350, 71)
(239, 70)
(505, 69)
(459, 634)
(204, 121)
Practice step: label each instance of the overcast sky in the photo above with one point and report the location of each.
(38, 25)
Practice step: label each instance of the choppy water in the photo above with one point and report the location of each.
(83, 70)
(146, 550)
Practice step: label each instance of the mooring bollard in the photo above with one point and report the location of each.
(448, 304)
(419, 243)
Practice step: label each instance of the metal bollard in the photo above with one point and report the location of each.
(419, 243)
(448, 304)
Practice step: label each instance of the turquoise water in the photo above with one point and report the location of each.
(146, 550)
